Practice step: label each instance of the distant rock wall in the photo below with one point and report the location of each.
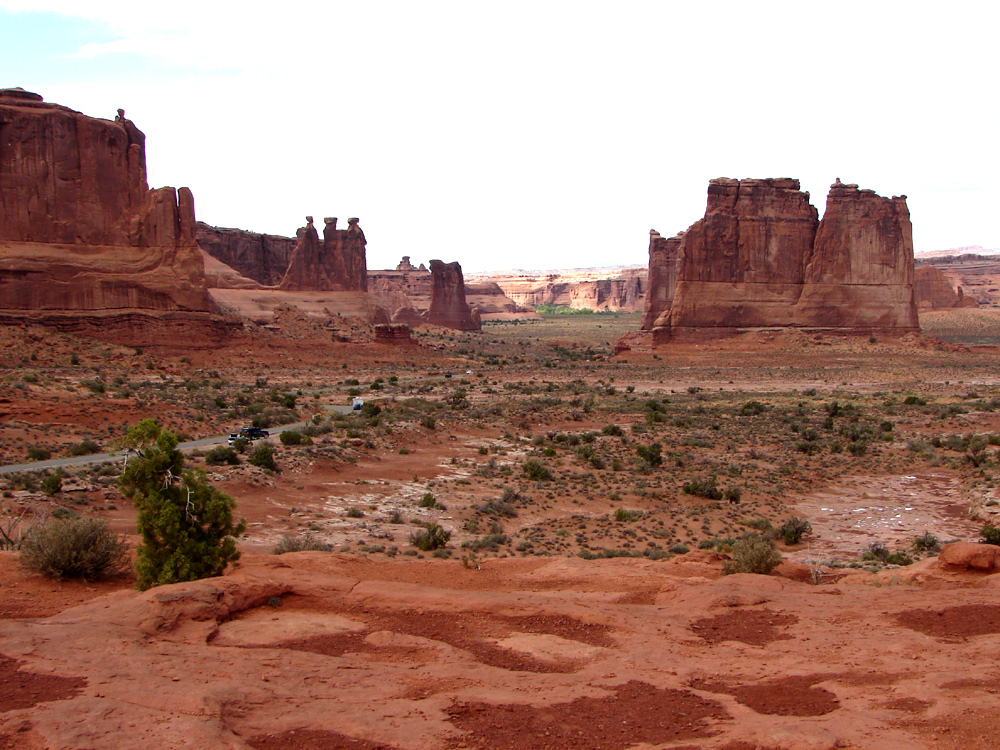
(761, 258)
(622, 292)
(261, 257)
(933, 291)
(81, 234)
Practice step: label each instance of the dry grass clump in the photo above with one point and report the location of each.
(74, 548)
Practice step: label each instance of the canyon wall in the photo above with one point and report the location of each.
(611, 290)
(761, 258)
(261, 257)
(84, 243)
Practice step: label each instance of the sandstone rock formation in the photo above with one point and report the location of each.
(448, 306)
(933, 290)
(392, 332)
(664, 257)
(338, 264)
(408, 292)
(761, 258)
(261, 257)
(405, 265)
(84, 244)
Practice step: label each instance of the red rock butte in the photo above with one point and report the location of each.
(85, 245)
(761, 258)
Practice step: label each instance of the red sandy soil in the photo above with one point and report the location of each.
(319, 651)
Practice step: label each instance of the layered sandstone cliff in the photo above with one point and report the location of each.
(601, 290)
(84, 243)
(761, 258)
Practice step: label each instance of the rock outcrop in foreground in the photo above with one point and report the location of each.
(316, 650)
(761, 258)
(85, 245)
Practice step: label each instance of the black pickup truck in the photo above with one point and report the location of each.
(248, 433)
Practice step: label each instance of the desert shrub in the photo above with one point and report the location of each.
(733, 494)
(752, 554)
(499, 508)
(430, 423)
(752, 408)
(427, 501)
(52, 483)
(222, 454)
(794, 529)
(433, 536)
(876, 552)
(38, 454)
(74, 548)
(703, 487)
(290, 437)
(628, 515)
(763, 525)
(914, 401)
(926, 543)
(612, 429)
(899, 558)
(990, 534)
(263, 456)
(355, 512)
(489, 542)
(300, 543)
(649, 454)
(858, 448)
(535, 471)
(85, 447)
(368, 409)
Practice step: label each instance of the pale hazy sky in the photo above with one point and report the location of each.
(530, 134)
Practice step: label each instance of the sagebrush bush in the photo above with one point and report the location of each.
(432, 537)
(752, 554)
(794, 529)
(74, 548)
(263, 456)
(300, 543)
(224, 454)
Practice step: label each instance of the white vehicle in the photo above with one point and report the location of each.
(357, 402)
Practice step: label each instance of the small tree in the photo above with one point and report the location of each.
(186, 525)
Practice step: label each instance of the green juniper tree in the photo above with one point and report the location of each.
(186, 525)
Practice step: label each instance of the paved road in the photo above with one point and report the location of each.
(100, 458)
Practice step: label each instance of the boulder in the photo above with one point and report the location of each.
(392, 332)
(969, 556)
(761, 258)
(448, 305)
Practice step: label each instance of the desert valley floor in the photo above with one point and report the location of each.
(588, 503)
